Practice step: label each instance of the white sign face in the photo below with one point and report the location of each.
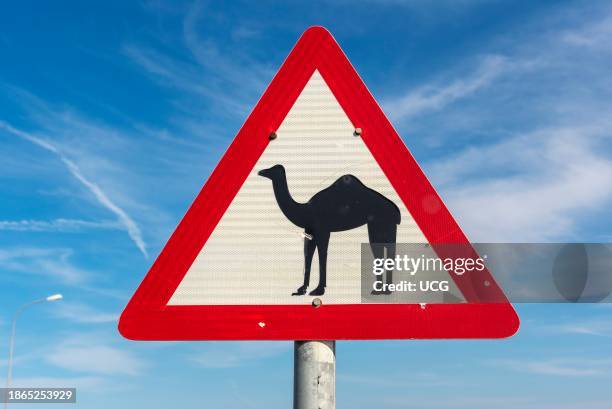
(256, 254)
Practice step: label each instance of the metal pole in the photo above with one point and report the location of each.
(9, 374)
(10, 362)
(314, 375)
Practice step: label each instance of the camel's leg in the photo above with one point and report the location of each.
(390, 234)
(378, 251)
(322, 240)
(309, 248)
(382, 237)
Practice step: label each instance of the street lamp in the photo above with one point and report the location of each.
(9, 376)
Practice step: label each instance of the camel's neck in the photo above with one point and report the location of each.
(294, 211)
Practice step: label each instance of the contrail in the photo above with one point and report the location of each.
(132, 228)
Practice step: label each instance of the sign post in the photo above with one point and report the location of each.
(314, 375)
(273, 247)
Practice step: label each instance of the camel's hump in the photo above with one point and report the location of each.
(352, 183)
(347, 180)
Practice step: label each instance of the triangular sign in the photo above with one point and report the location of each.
(235, 267)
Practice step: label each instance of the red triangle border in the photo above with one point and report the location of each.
(147, 316)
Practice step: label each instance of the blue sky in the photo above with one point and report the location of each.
(113, 114)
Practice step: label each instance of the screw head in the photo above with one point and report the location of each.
(272, 136)
(357, 132)
(317, 302)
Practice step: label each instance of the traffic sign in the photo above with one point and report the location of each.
(271, 248)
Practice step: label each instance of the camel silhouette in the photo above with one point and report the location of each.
(345, 205)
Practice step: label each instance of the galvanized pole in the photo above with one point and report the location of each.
(9, 374)
(314, 375)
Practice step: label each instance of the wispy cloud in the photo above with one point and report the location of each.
(548, 167)
(434, 97)
(559, 367)
(600, 327)
(229, 355)
(524, 138)
(485, 400)
(101, 196)
(594, 34)
(83, 313)
(56, 225)
(223, 81)
(89, 383)
(88, 355)
(54, 263)
(231, 68)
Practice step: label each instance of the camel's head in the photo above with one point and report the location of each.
(273, 172)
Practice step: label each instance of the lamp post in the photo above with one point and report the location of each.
(9, 376)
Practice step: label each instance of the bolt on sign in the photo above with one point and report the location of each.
(272, 246)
